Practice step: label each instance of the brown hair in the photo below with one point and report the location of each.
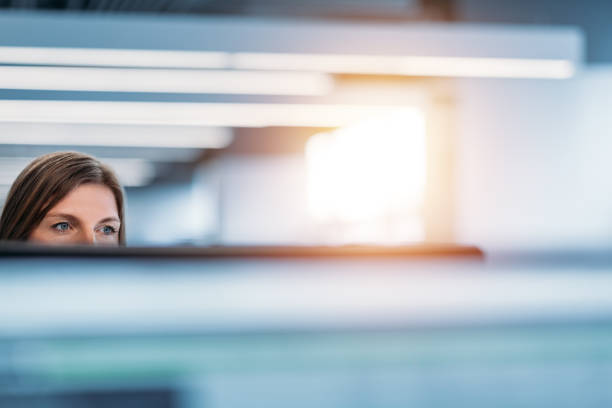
(44, 182)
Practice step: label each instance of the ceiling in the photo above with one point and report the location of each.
(593, 20)
(592, 16)
(177, 163)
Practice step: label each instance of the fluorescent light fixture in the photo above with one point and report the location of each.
(330, 63)
(108, 57)
(115, 135)
(131, 172)
(188, 114)
(165, 80)
(409, 65)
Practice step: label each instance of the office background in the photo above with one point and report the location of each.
(310, 176)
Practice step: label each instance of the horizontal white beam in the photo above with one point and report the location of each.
(305, 79)
(189, 114)
(410, 65)
(155, 80)
(250, 43)
(112, 57)
(259, 35)
(67, 134)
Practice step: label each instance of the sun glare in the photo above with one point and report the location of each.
(366, 181)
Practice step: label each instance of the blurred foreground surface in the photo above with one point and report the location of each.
(347, 331)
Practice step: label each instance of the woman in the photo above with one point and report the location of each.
(65, 198)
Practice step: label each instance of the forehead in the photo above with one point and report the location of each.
(88, 201)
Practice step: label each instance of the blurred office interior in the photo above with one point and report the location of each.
(502, 155)
(388, 124)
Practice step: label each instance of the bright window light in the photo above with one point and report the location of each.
(366, 181)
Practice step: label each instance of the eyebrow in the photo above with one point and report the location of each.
(69, 217)
(108, 219)
(75, 220)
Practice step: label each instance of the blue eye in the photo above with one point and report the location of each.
(108, 230)
(61, 226)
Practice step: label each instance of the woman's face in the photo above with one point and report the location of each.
(87, 215)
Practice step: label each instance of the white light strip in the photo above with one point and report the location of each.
(131, 172)
(114, 135)
(409, 65)
(188, 114)
(165, 80)
(106, 57)
(331, 63)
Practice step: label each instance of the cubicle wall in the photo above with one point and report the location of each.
(302, 327)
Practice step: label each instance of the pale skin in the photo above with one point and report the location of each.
(86, 216)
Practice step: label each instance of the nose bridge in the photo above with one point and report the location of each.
(87, 236)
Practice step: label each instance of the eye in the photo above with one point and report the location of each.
(61, 226)
(108, 230)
